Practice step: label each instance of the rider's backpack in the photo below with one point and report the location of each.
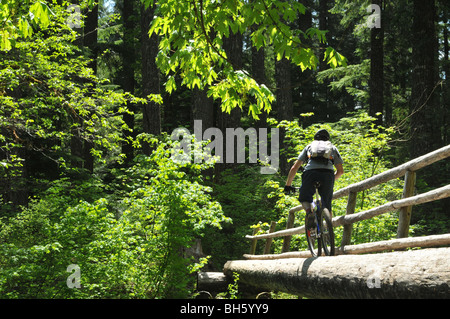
(320, 151)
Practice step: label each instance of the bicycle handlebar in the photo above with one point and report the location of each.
(294, 189)
(290, 189)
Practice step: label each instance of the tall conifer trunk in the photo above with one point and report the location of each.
(150, 76)
(424, 131)
(376, 81)
(128, 81)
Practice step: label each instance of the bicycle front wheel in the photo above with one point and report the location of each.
(313, 239)
(327, 233)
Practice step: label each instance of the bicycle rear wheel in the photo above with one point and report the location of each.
(314, 241)
(327, 233)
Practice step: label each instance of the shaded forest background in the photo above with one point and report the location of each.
(87, 110)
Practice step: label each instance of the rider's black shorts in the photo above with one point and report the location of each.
(326, 179)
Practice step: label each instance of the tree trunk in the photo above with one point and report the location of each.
(90, 36)
(128, 81)
(202, 109)
(233, 46)
(411, 274)
(90, 40)
(150, 76)
(446, 69)
(284, 106)
(376, 81)
(306, 84)
(424, 130)
(322, 108)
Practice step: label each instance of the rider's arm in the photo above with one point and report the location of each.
(293, 171)
(339, 171)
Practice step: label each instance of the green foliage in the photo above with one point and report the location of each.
(21, 19)
(125, 227)
(353, 78)
(45, 90)
(243, 197)
(188, 49)
(233, 288)
(50, 97)
(16, 20)
(128, 245)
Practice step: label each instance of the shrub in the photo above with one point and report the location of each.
(125, 246)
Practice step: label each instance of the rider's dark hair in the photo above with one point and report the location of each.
(322, 135)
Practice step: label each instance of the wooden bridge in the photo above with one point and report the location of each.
(423, 273)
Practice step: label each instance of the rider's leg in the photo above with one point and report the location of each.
(326, 189)
(307, 191)
(306, 206)
(310, 217)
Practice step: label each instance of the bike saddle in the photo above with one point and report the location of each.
(316, 184)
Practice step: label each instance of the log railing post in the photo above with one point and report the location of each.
(254, 242)
(347, 233)
(405, 212)
(287, 239)
(269, 240)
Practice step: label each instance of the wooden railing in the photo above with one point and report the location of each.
(408, 170)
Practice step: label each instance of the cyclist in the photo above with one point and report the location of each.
(317, 169)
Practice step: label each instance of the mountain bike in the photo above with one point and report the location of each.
(322, 234)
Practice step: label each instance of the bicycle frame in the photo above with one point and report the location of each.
(316, 207)
(323, 231)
